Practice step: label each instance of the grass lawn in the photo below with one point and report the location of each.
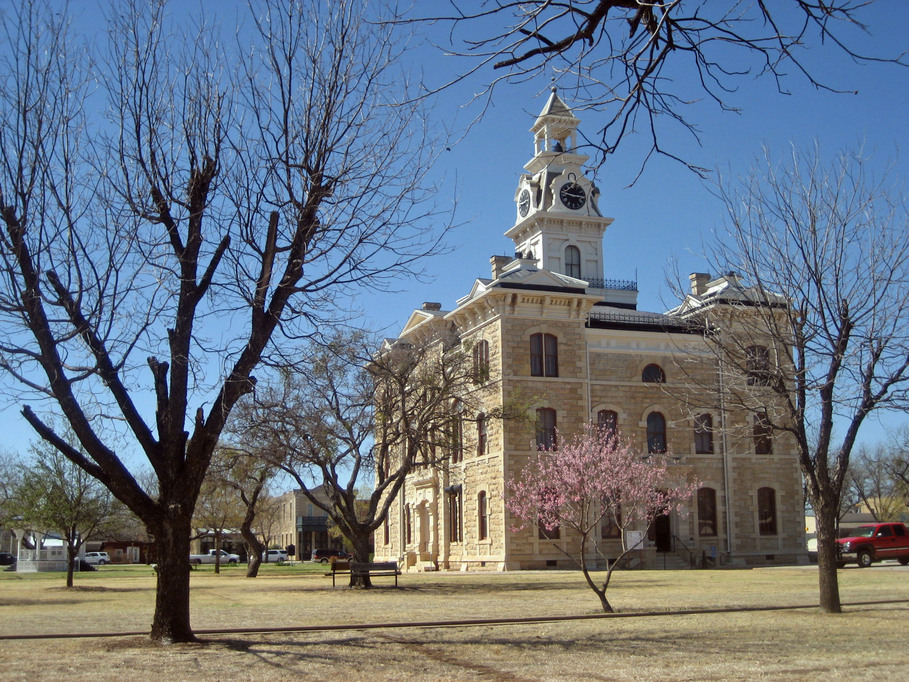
(866, 642)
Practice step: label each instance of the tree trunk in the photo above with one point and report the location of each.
(254, 550)
(217, 551)
(361, 554)
(171, 621)
(69, 566)
(600, 592)
(825, 517)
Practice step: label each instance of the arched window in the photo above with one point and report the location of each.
(481, 361)
(482, 517)
(653, 374)
(482, 435)
(766, 511)
(703, 434)
(573, 261)
(455, 523)
(656, 433)
(763, 434)
(608, 421)
(546, 428)
(706, 512)
(544, 355)
(757, 359)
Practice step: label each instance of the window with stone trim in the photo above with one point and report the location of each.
(608, 421)
(653, 374)
(757, 359)
(408, 524)
(767, 511)
(482, 516)
(707, 519)
(546, 428)
(385, 537)
(610, 524)
(656, 433)
(544, 533)
(703, 434)
(481, 361)
(763, 434)
(455, 522)
(573, 261)
(544, 355)
(482, 435)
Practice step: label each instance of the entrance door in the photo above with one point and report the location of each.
(662, 533)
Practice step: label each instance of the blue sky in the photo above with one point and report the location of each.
(667, 213)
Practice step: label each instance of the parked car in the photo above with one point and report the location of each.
(274, 556)
(209, 557)
(96, 558)
(326, 555)
(874, 542)
(7, 559)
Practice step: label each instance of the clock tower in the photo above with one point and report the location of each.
(558, 221)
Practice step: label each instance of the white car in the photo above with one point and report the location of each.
(274, 556)
(97, 558)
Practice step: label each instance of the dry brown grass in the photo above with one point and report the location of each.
(865, 642)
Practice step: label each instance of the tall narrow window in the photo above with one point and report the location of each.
(481, 361)
(456, 432)
(706, 512)
(763, 435)
(611, 523)
(482, 517)
(408, 528)
(385, 531)
(757, 360)
(573, 262)
(482, 436)
(608, 421)
(703, 434)
(653, 374)
(546, 428)
(454, 514)
(767, 511)
(544, 355)
(656, 433)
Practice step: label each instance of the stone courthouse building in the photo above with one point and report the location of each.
(547, 325)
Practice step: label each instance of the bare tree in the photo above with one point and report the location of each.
(646, 62)
(351, 416)
(152, 258)
(822, 340)
(248, 475)
(877, 479)
(55, 494)
(219, 509)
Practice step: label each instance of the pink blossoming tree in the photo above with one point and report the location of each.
(592, 477)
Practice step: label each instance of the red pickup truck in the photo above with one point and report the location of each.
(874, 542)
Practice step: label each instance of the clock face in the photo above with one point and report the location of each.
(572, 195)
(524, 203)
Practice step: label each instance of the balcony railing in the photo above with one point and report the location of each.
(614, 284)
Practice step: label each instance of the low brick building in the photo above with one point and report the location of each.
(547, 325)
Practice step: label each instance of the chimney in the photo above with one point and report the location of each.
(498, 264)
(431, 305)
(699, 283)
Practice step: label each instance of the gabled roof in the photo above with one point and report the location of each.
(728, 289)
(420, 317)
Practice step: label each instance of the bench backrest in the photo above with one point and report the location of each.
(378, 566)
(340, 566)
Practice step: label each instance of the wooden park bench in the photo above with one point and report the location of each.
(380, 568)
